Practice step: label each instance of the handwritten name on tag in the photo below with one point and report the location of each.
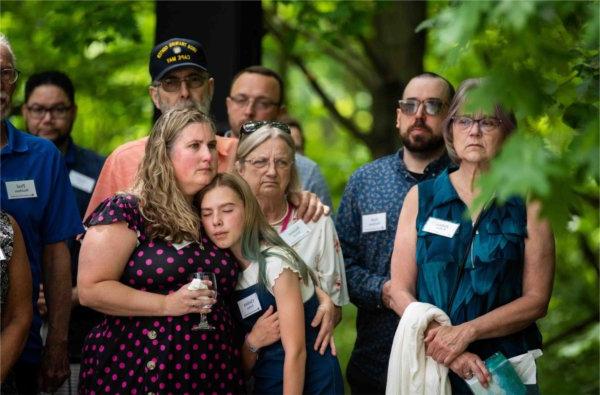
(373, 222)
(249, 305)
(23, 189)
(81, 181)
(440, 227)
(296, 232)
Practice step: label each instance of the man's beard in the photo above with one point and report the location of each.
(422, 143)
(203, 105)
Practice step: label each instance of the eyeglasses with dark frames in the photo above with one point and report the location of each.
(58, 112)
(431, 106)
(253, 126)
(259, 104)
(464, 123)
(173, 84)
(9, 75)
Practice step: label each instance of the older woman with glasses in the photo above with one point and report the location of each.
(490, 270)
(265, 160)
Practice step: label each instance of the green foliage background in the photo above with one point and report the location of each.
(541, 58)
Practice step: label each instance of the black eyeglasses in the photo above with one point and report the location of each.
(253, 126)
(9, 75)
(464, 123)
(58, 112)
(173, 84)
(411, 106)
(259, 104)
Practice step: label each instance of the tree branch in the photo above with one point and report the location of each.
(328, 103)
(343, 54)
(571, 331)
(372, 56)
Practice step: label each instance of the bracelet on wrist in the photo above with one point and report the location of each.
(250, 346)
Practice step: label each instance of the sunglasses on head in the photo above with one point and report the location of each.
(411, 106)
(253, 126)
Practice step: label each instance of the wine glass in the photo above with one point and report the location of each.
(204, 277)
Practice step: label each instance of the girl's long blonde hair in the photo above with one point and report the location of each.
(162, 203)
(257, 232)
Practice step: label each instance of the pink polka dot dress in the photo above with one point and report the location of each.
(162, 355)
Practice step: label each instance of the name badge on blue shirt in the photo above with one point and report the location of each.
(23, 189)
(249, 305)
(440, 227)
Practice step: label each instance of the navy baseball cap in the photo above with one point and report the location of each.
(174, 54)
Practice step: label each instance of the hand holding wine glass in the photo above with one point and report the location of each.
(203, 280)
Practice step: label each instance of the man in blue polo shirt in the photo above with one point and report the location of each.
(35, 189)
(49, 111)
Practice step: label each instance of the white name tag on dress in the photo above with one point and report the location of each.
(2, 256)
(81, 181)
(440, 227)
(373, 222)
(21, 189)
(295, 232)
(249, 305)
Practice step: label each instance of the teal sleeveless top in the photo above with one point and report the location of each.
(493, 273)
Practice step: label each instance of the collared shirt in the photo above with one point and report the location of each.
(36, 192)
(378, 187)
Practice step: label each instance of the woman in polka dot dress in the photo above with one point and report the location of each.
(135, 263)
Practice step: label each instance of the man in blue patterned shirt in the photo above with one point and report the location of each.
(368, 217)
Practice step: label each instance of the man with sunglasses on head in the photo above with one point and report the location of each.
(257, 94)
(49, 112)
(36, 192)
(368, 217)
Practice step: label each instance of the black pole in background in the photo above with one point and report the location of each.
(230, 31)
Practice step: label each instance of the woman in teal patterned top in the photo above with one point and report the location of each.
(508, 270)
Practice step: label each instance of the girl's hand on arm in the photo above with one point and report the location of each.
(404, 263)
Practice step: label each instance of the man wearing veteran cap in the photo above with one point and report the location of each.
(180, 78)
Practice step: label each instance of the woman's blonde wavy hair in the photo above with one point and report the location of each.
(162, 203)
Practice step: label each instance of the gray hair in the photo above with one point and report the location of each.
(4, 42)
(509, 121)
(250, 142)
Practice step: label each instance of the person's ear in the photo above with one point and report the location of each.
(153, 91)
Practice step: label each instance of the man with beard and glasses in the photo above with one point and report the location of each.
(49, 112)
(180, 78)
(368, 217)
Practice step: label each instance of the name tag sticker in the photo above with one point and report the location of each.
(249, 305)
(2, 256)
(440, 227)
(21, 189)
(81, 181)
(295, 232)
(373, 222)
